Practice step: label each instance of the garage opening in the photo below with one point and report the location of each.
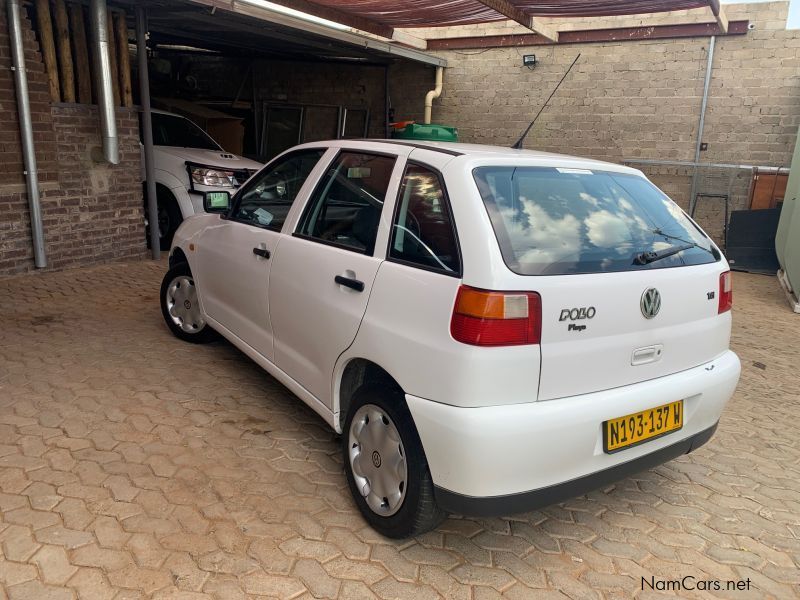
(259, 87)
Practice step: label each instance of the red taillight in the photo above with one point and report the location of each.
(725, 292)
(484, 318)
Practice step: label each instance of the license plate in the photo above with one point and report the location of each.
(630, 430)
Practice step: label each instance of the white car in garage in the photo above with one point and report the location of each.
(189, 163)
(490, 330)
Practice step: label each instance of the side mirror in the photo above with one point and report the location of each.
(216, 202)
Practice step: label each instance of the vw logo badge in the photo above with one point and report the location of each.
(650, 303)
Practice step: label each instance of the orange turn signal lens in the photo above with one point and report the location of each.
(484, 318)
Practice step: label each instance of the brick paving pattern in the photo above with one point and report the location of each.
(133, 465)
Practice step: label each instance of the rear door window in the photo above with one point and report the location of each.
(423, 234)
(557, 221)
(345, 209)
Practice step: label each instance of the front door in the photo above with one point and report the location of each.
(236, 255)
(322, 275)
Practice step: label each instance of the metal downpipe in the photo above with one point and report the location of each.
(147, 130)
(701, 124)
(102, 68)
(26, 131)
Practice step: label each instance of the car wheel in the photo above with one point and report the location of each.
(181, 308)
(386, 466)
(169, 218)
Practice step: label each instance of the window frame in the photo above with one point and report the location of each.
(396, 213)
(168, 115)
(310, 201)
(237, 197)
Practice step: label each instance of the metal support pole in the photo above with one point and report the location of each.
(386, 102)
(26, 131)
(701, 124)
(102, 68)
(147, 130)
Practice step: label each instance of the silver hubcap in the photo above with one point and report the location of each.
(182, 304)
(378, 460)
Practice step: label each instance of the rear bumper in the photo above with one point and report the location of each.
(526, 501)
(519, 456)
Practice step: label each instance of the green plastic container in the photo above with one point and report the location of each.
(431, 133)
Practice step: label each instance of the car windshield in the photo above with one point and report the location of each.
(171, 130)
(559, 221)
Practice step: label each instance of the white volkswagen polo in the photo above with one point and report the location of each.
(490, 330)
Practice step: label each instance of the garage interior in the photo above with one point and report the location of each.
(285, 86)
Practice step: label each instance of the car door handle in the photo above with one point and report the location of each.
(353, 284)
(262, 252)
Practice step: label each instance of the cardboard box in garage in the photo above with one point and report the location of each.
(227, 130)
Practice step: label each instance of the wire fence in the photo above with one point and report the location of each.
(708, 192)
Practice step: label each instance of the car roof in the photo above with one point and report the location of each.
(492, 153)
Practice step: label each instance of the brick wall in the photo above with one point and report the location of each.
(11, 169)
(409, 84)
(92, 212)
(624, 100)
(97, 214)
(318, 83)
(637, 99)
(282, 82)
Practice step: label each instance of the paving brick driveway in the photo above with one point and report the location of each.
(132, 464)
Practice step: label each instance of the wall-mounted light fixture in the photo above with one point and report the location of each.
(529, 60)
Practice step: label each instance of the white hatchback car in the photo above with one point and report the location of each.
(490, 330)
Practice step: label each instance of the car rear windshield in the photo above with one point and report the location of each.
(559, 221)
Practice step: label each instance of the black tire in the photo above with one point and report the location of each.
(418, 512)
(169, 218)
(192, 333)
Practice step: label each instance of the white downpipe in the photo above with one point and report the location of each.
(434, 93)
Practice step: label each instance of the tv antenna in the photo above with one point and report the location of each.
(518, 144)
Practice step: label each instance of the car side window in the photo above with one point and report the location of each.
(423, 233)
(346, 207)
(267, 198)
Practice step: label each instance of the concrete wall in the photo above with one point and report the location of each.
(92, 212)
(630, 100)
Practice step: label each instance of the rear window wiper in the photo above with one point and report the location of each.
(659, 232)
(645, 258)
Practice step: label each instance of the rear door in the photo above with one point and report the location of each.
(611, 314)
(323, 273)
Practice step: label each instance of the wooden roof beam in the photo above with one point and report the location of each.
(404, 37)
(535, 24)
(719, 14)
